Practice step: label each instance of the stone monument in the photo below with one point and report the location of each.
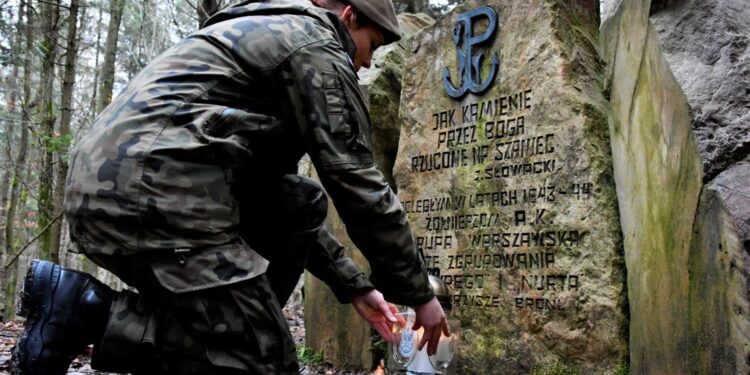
(505, 170)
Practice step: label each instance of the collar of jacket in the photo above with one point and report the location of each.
(300, 7)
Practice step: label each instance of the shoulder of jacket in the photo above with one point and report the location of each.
(266, 40)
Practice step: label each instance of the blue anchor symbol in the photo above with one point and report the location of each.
(469, 79)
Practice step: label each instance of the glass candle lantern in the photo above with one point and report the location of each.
(404, 356)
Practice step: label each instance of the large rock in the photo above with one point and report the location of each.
(381, 86)
(719, 266)
(608, 8)
(707, 46)
(335, 329)
(679, 103)
(510, 192)
(658, 174)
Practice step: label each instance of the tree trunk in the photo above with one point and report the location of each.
(10, 131)
(24, 236)
(92, 109)
(10, 125)
(86, 265)
(20, 164)
(206, 9)
(110, 53)
(66, 111)
(47, 116)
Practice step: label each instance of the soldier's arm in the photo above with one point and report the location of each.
(321, 87)
(347, 281)
(328, 263)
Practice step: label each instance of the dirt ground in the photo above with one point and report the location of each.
(294, 313)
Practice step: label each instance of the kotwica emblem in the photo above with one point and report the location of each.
(469, 65)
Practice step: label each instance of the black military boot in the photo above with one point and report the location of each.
(65, 311)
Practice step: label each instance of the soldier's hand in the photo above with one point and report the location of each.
(373, 308)
(432, 317)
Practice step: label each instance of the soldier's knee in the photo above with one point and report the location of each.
(307, 201)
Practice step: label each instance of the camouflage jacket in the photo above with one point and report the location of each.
(248, 95)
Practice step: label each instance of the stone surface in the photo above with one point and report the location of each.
(336, 329)
(707, 46)
(658, 174)
(719, 329)
(734, 190)
(608, 8)
(476, 196)
(679, 117)
(381, 86)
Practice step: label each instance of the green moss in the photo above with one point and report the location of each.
(308, 356)
(490, 342)
(577, 30)
(557, 368)
(622, 369)
(661, 181)
(379, 350)
(483, 353)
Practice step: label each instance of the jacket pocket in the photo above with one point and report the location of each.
(347, 113)
(229, 134)
(358, 111)
(197, 269)
(235, 122)
(338, 119)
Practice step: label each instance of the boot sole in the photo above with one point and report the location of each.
(36, 306)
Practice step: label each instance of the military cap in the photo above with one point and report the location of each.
(383, 14)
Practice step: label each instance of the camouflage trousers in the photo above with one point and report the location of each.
(230, 329)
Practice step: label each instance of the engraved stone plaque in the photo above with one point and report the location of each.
(505, 170)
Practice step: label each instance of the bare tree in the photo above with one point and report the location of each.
(92, 110)
(107, 77)
(47, 116)
(10, 129)
(20, 163)
(66, 111)
(11, 121)
(207, 8)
